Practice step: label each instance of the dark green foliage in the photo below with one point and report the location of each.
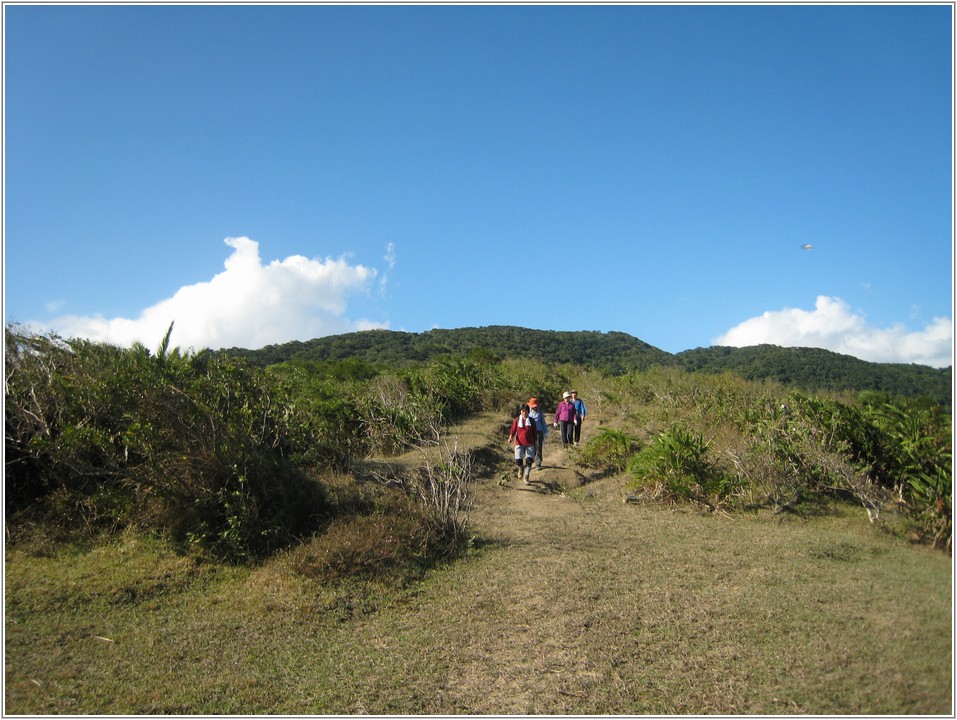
(874, 452)
(198, 447)
(328, 430)
(617, 353)
(813, 447)
(457, 386)
(612, 352)
(815, 369)
(916, 457)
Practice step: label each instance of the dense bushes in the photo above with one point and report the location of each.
(609, 449)
(213, 453)
(917, 457)
(786, 451)
(222, 457)
(194, 446)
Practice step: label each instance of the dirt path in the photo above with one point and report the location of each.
(591, 606)
(529, 655)
(514, 511)
(544, 498)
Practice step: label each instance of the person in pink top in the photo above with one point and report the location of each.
(524, 433)
(567, 417)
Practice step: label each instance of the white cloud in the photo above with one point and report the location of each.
(247, 305)
(832, 325)
(389, 258)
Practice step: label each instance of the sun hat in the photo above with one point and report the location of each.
(565, 395)
(533, 402)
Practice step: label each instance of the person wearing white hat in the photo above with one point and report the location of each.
(566, 416)
(580, 412)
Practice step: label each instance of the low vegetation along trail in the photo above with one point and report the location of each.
(526, 654)
(586, 604)
(570, 602)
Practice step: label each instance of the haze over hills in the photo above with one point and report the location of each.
(615, 353)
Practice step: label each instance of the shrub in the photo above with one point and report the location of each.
(608, 450)
(443, 489)
(327, 430)
(394, 417)
(363, 545)
(675, 468)
(456, 386)
(811, 446)
(805, 448)
(916, 458)
(198, 447)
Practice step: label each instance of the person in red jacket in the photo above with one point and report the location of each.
(524, 433)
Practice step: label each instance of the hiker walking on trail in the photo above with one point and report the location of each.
(565, 416)
(580, 411)
(542, 427)
(524, 433)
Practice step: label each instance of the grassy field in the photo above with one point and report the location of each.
(569, 602)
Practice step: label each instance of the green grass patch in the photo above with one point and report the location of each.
(618, 610)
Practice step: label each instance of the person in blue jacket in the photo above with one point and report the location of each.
(580, 411)
(536, 414)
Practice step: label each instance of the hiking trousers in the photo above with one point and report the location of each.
(568, 432)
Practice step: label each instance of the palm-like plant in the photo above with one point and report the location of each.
(676, 467)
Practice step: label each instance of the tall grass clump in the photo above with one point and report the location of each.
(916, 458)
(608, 450)
(676, 467)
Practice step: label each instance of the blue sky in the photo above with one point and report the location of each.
(261, 174)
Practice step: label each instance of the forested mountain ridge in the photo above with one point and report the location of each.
(817, 369)
(616, 353)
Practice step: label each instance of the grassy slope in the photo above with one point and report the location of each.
(572, 602)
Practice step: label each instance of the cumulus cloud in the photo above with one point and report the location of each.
(832, 325)
(247, 305)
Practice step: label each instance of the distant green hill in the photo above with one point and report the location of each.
(617, 353)
(613, 352)
(816, 369)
